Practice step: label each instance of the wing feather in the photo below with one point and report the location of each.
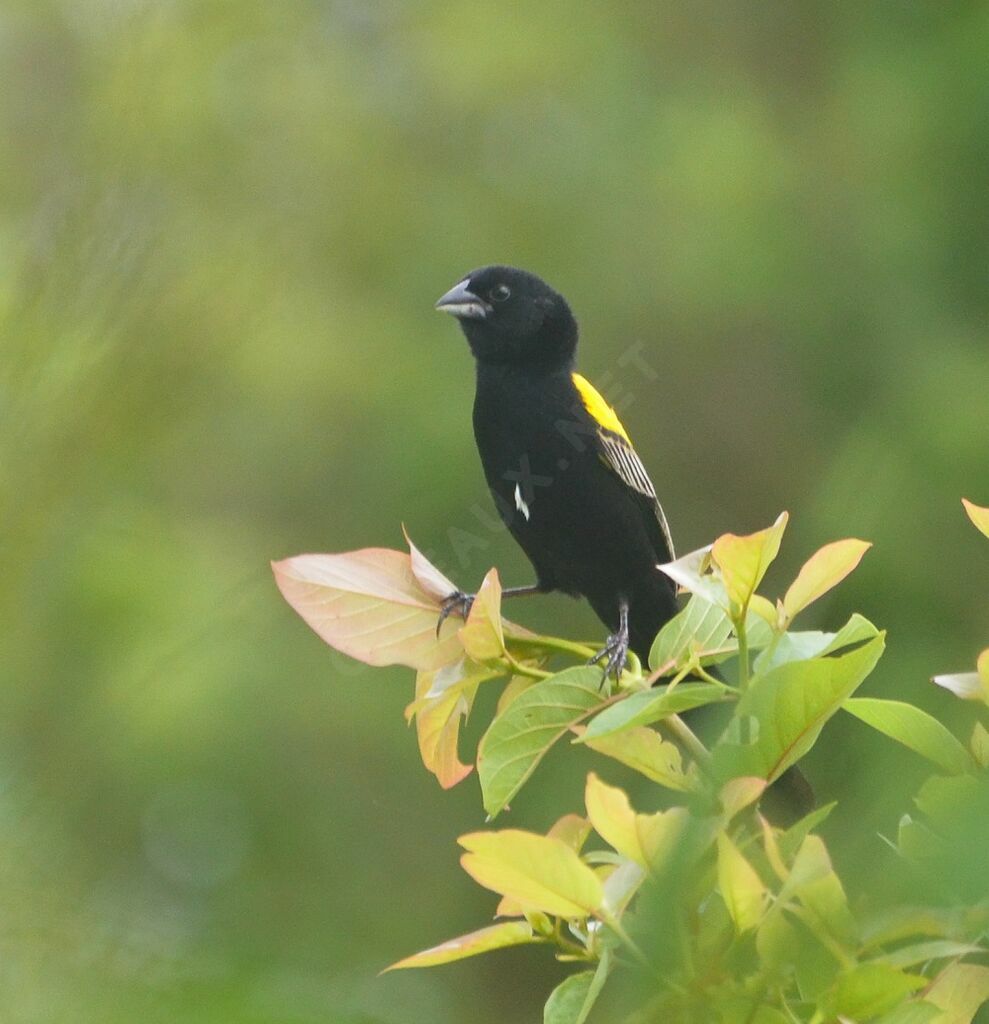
(617, 451)
(622, 458)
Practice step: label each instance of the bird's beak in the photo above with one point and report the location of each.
(462, 303)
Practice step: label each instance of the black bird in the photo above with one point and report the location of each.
(559, 464)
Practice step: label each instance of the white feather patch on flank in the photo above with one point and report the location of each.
(520, 504)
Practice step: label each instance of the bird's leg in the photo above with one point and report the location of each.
(615, 651)
(460, 603)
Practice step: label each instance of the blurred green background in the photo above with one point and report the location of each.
(222, 229)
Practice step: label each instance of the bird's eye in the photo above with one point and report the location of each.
(500, 293)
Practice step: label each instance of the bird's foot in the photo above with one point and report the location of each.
(458, 602)
(614, 655)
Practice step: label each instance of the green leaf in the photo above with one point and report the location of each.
(741, 887)
(566, 1002)
(915, 729)
(645, 751)
(652, 706)
(822, 571)
(794, 836)
(519, 737)
(777, 941)
(905, 922)
(870, 989)
(856, 630)
(738, 1009)
(922, 952)
(790, 705)
(793, 646)
(743, 561)
(979, 745)
(911, 1013)
(701, 626)
(813, 882)
(600, 977)
(956, 797)
(497, 936)
(806, 644)
(959, 990)
(538, 872)
(573, 999)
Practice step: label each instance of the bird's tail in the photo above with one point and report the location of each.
(652, 604)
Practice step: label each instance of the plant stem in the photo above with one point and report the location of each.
(552, 643)
(519, 669)
(744, 731)
(628, 942)
(688, 738)
(743, 653)
(708, 678)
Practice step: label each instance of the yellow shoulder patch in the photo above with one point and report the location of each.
(598, 407)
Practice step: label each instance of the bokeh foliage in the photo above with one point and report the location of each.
(221, 230)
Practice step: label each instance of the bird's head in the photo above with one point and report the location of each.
(512, 316)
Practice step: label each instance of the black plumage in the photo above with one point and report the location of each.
(562, 471)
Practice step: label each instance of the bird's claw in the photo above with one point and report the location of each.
(614, 654)
(458, 602)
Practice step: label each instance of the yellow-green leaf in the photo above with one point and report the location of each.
(765, 609)
(482, 634)
(497, 936)
(740, 885)
(867, 990)
(515, 686)
(959, 990)
(571, 829)
(737, 794)
(538, 872)
(979, 745)
(822, 571)
(460, 675)
(646, 839)
(661, 835)
(979, 515)
(645, 751)
(438, 722)
(813, 881)
(613, 818)
(743, 561)
(924, 952)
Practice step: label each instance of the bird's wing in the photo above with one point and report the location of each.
(617, 451)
